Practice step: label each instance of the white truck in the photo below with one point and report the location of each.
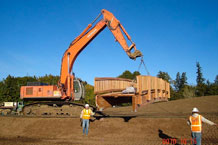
(10, 108)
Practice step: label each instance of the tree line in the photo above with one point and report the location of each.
(10, 86)
(181, 89)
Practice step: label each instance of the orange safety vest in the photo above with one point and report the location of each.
(196, 123)
(86, 113)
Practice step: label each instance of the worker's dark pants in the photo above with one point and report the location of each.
(85, 126)
(196, 138)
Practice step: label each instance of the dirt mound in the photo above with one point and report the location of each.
(208, 105)
(151, 125)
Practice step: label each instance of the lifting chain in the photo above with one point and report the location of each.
(142, 62)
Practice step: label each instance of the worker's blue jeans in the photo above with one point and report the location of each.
(196, 138)
(85, 126)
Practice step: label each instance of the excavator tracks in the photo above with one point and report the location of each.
(54, 109)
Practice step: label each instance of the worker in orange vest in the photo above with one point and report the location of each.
(195, 121)
(85, 116)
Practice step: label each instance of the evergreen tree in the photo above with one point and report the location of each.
(177, 82)
(1, 91)
(200, 80)
(212, 88)
(216, 80)
(183, 80)
(208, 83)
(201, 86)
(49, 79)
(10, 89)
(135, 73)
(164, 75)
(128, 75)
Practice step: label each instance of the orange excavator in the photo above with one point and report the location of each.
(69, 87)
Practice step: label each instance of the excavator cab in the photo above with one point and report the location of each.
(79, 90)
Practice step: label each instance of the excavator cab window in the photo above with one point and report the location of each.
(78, 89)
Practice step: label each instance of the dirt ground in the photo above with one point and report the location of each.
(150, 125)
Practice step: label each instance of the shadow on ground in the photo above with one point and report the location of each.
(125, 118)
(166, 139)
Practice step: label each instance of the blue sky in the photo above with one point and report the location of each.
(172, 34)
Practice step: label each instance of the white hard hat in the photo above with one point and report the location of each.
(195, 110)
(86, 105)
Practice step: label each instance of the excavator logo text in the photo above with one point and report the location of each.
(92, 33)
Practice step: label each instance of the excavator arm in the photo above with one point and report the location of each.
(70, 55)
